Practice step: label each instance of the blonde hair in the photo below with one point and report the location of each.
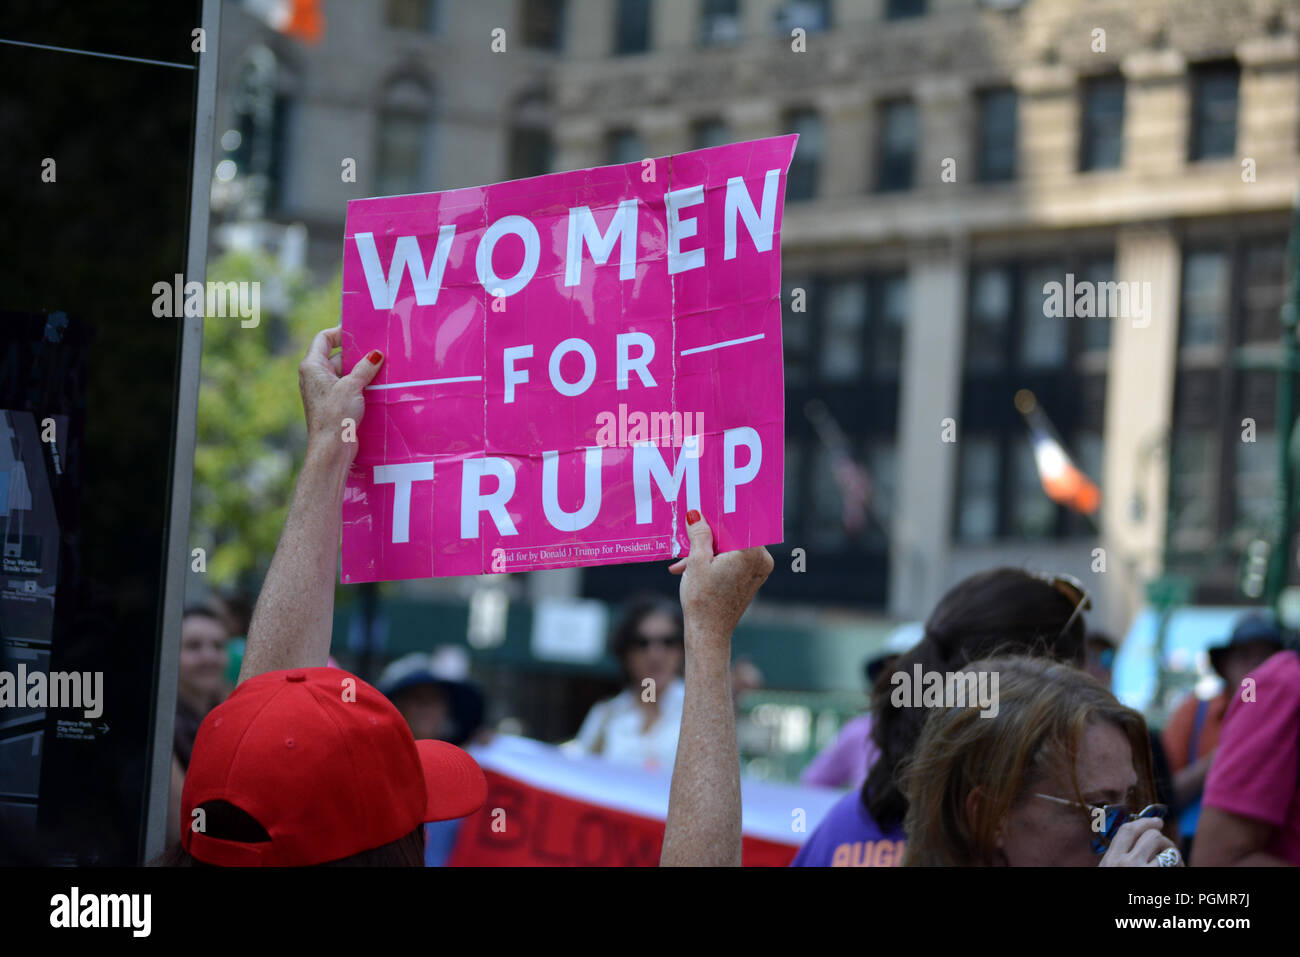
(1044, 708)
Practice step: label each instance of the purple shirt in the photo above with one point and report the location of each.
(846, 760)
(849, 837)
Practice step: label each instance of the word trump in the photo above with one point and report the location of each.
(647, 466)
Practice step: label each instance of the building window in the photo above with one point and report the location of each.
(543, 24)
(624, 146)
(897, 163)
(263, 115)
(842, 330)
(1102, 137)
(531, 149)
(1033, 514)
(1042, 337)
(1214, 110)
(797, 326)
(710, 132)
(1204, 298)
(1222, 486)
(793, 483)
(977, 513)
(1192, 492)
(901, 9)
(632, 26)
(990, 314)
(812, 16)
(805, 168)
(891, 311)
(412, 15)
(997, 136)
(720, 23)
(1255, 482)
(882, 466)
(1096, 331)
(404, 141)
(1012, 342)
(1265, 279)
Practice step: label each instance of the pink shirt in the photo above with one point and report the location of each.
(847, 759)
(1256, 771)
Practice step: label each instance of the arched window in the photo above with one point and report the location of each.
(404, 138)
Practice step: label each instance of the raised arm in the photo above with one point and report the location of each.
(295, 612)
(703, 827)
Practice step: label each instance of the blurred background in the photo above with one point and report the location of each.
(955, 157)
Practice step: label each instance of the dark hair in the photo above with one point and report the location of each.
(638, 610)
(227, 822)
(1003, 611)
(202, 611)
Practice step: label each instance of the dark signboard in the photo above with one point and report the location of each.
(101, 107)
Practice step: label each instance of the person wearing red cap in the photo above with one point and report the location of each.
(306, 764)
(309, 765)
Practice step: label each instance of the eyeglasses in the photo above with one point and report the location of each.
(641, 642)
(1114, 816)
(1073, 590)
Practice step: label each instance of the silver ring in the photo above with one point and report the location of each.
(1169, 857)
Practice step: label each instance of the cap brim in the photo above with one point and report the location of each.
(453, 781)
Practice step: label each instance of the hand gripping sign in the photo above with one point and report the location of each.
(572, 362)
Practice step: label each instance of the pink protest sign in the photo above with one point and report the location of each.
(572, 362)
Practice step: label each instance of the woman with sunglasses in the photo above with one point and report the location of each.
(1007, 611)
(1061, 775)
(640, 725)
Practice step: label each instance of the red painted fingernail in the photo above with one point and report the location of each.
(692, 517)
(375, 356)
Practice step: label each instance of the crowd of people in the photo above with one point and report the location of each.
(1057, 772)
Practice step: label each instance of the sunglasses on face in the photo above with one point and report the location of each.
(641, 642)
(1114, 816)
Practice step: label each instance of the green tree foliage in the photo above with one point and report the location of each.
(251, 433)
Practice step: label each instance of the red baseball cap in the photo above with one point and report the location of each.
(325, 764)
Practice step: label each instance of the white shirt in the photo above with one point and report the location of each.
(613, 729)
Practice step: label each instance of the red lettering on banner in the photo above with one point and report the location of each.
(546, 829)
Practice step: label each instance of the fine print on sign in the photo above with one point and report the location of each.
(572, 362)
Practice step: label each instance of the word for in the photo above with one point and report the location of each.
(953, 689)
(657, 428)
(102, 910)
(59, 689)
(647, 465)
(221, 300)
(1102, 300)
(583, 231)
(624, 363)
